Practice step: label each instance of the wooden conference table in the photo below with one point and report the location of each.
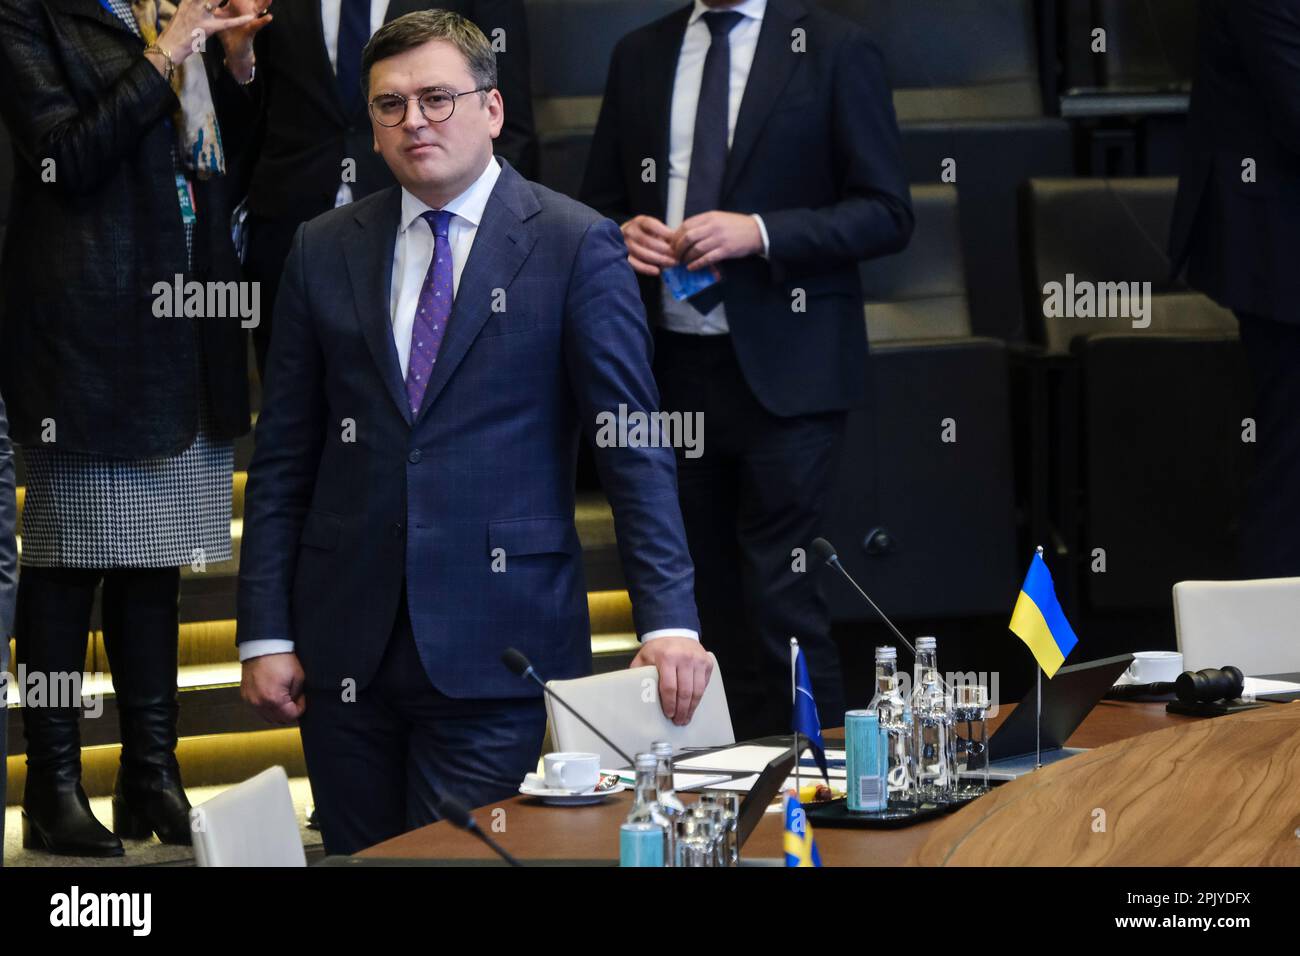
(1158, 790)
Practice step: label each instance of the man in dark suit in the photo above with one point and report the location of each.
(410, 500)
(8, 591)
(315, 120)
(757, 138)
(1236, 226)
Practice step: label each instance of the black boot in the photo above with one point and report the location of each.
(140, 636)
(149, 802)
(57, 819)
(53, 622)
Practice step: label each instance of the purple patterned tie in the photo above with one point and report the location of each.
(431, 312)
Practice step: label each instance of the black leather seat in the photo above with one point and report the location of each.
(928, 526)
(967, 87)
(1150, 464)
(571, 43)
(1132, 99)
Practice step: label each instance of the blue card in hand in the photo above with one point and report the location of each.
(683, 283)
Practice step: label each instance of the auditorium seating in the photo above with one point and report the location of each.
(967, 87)
(567, 89)
(927, 525)
(1130, 102)
(1147, 423)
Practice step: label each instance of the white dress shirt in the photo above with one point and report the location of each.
(412, 254)
(330, 11)
(414, 251)
(682, 316)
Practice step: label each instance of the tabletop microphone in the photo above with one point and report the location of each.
(826, 551)
(520, 666)
(458, 815)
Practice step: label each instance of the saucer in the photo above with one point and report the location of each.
(535, 786)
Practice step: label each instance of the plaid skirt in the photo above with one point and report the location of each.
(89, 511)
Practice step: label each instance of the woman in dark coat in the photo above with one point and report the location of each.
(121, 115)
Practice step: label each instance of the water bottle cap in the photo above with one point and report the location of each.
(661, 748)
(646, 761)
(887, 653)
(925, 643)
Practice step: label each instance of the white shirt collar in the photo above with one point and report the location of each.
(469, 205)
(753, 9)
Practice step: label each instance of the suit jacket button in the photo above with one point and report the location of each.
(414, 456)
(397, 529)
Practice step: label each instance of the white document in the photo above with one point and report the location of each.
(1258, 686)
(745, 758)
(681, 781)
(746, 784)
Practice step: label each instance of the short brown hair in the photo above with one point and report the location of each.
(418, 28)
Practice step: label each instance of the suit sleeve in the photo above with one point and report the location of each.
(8, 530)
(518, 139)
(46, 122)
(607, 351)
(603, 185)
(286, 458)
(1268, 35)
(873, 217)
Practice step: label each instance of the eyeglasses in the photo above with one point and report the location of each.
(436, 105)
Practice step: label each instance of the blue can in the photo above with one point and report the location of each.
(640, 844)
(867, 761)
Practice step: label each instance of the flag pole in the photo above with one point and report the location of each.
(794, 703)
(1038, 706)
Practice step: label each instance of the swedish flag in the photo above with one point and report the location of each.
(1039, 621)
(800, 847)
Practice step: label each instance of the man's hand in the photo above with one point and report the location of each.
(649, 246)
(712, 237)
(684, 671)
(273, 684)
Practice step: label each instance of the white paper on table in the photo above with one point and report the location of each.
(681, 781)
(746, 784)
(1258, 686)
(745, 758)
(832, 772)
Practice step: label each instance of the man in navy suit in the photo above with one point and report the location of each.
(438, 349)
(756, 138)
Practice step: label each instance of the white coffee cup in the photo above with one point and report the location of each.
(1151, 667)
(575, 772)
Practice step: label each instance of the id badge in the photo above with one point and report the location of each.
(683, 283)
(185, 195)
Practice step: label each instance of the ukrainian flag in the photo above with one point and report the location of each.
(1039, 621)
(800, 847)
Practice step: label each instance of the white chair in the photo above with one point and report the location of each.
(624, 704)
(251, 824)
(1254, 625)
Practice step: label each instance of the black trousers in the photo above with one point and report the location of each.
(753, 502)
(1270, 531)
(269, 241)
(139, 608)
(380, 758)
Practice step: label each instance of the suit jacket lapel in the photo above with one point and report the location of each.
(768, 75)
(369, 256)
(501, 244)
(660, 76)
